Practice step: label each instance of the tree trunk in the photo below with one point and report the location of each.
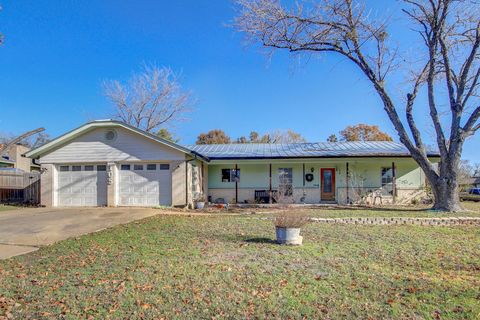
(445, 192)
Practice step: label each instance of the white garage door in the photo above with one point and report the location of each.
(145, 184)
(82, 185)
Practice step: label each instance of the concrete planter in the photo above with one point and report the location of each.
(199, 205)
(289, 236)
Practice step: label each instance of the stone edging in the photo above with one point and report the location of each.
(451, 221)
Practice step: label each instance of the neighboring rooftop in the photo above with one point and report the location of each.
(304, 150)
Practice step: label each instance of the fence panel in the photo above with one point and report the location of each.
(20, 187)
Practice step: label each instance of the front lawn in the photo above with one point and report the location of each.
(472, 210)
(227, 267)
(5, 208)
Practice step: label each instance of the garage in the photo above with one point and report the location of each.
(145, 184)
(82, 185)
(110, 163)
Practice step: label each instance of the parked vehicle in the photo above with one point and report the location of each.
(472, 195)
(474, 191)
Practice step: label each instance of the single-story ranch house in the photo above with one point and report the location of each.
(109, 163)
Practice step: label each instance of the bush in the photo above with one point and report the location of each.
(289, 219)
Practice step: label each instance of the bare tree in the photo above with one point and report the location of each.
(150, 99)
(19, 138)
(276, 136)
(448, 60)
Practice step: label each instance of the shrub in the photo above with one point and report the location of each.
(289, 219)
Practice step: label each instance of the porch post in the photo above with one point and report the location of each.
(304, 176)
(348, 175)
(236, 183)
(270, 184)
(394, 182)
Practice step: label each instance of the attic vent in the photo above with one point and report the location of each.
(110, 135)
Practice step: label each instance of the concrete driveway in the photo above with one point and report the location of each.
(24, 230)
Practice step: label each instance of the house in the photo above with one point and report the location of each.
(13, 158)
(473, 182)
(109, 163)
(6, 163)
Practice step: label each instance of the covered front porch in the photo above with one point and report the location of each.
(313, 181)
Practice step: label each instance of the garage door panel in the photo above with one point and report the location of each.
(81, 188)
(144, 187)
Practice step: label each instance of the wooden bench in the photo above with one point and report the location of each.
(263, 196)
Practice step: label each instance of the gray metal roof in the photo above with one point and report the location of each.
(303, 150)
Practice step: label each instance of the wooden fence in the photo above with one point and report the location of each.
(16, 187)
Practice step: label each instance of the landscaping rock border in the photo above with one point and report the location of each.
(451, 221)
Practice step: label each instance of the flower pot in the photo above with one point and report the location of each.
(199, 205)
(290, 236)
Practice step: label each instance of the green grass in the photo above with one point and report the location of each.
(5, 208)
(472, 209)
(202, 267)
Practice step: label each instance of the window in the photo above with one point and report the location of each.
(164, 166)
(101, 167)
(138, 167)
(88, 168)
(76, 168)
(387, 180)
(230, 175)
(64, 168)
(125, 167)
(151, 166)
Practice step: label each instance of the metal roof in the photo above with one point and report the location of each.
(304, 150)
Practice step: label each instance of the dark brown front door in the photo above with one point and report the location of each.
(327, 178)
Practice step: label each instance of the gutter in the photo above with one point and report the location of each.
(317, 157)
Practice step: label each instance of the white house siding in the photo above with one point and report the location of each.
(127, 146)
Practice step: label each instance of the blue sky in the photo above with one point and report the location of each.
(57, 53)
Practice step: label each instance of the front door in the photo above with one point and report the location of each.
(327, 178)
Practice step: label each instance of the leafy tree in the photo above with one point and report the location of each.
(445, 68)
(332, 138)
(242, 139)
(254, 137)
(167, 135)
(215, 136)
(151, 98)
(364, 132)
